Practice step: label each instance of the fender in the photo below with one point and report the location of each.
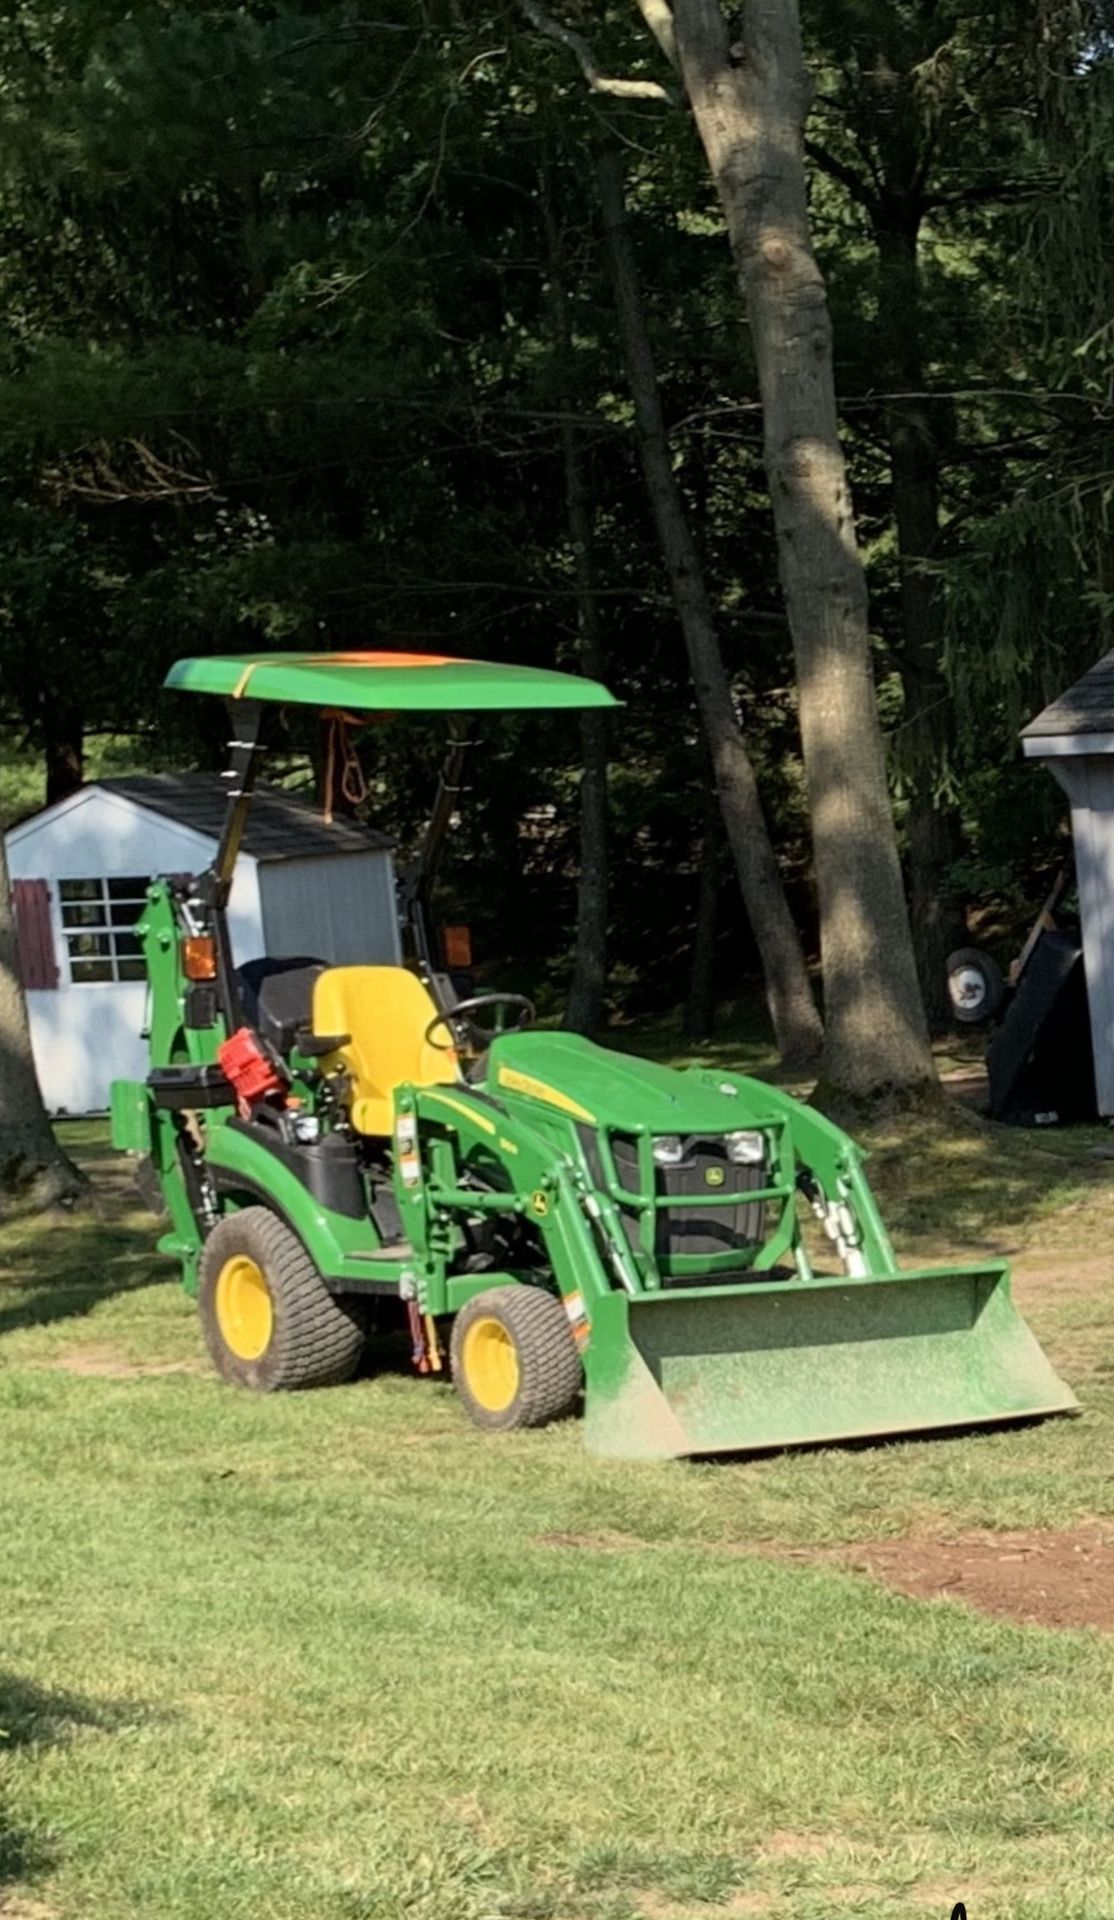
(343, 1250)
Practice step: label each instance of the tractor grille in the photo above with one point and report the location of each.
(704, 1168)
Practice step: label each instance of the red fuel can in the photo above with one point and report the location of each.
(246, 1064)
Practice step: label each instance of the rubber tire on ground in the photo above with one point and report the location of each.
(550, 1374)
(315, 1340)
(971, 959)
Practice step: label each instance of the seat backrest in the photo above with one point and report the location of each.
(277, 997)
(386, 1010)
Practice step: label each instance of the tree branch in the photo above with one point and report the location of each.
(839, 170)
(578, 46)
(981, 193)
(658, 15)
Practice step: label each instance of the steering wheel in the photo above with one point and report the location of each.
(460, 1021)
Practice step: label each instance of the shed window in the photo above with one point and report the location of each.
(99, 918)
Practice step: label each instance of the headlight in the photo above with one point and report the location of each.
(746, 1149)
(669, 1150)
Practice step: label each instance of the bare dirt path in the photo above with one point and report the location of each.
(1046, 1578)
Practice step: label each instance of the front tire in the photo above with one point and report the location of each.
(270, 1322)
(514, 1359)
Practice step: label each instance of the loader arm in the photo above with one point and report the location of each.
(684, 1355)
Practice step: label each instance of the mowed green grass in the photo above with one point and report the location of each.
(340, 1657)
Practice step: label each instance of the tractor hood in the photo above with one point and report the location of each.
(597, 1086)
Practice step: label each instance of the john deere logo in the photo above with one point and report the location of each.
(539, 1203)
(713, 1176)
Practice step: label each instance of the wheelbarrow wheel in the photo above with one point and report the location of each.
(269, 1320)
(514, 1359)
(976, 988)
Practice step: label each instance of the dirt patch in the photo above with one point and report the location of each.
(969, 1085)
(1045, 1579)
(1041, 1578)
(654, 1905)
(592, 1542)
(101, 1363)
(785, 1844)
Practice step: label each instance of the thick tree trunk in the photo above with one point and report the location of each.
(927, 730)
(64, 749)
(700, 1003)
(789, 994)
(34, 1172)
(749, 100)
(584, 1009)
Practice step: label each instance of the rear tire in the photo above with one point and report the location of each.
(269, 1320)
(514, 1359)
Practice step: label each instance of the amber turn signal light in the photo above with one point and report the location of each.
(457, 945)
(199, 957)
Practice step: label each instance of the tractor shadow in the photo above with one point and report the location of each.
(33, 1718)
(387, 1348)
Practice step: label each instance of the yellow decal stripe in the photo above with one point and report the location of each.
(516, 1082)
(478, 1119)
(241, 684)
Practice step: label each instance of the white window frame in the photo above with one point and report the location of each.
(104, 928)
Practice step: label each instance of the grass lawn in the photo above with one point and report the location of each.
(340, 1657)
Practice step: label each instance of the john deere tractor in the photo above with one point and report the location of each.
(553, 1220)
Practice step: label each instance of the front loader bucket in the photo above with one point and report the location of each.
(780, 1364)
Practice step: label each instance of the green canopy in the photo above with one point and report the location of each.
(385, 682)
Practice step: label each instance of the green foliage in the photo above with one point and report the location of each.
(281, 369)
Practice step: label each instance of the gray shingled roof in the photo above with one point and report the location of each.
(280, 825)
(1088, 707)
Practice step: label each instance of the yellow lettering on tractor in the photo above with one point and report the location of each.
(516, 1082)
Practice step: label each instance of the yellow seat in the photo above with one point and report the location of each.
(386, 1010)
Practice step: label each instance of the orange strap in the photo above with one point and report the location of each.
(340, 750)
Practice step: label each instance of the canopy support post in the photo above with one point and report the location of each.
(214, 885)
(416, 883)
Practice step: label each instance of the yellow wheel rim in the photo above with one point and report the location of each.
(491, 1370)
(245, 1313)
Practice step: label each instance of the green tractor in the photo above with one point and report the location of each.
(551, 1219)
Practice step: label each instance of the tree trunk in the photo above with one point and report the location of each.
(700, 1004)
(789, 994)
(749, 101)
(34, 1172)
(927, 728)
(64, 744)
(584, 1009)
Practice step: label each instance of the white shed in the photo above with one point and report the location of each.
(1074, 736)
(79, 872)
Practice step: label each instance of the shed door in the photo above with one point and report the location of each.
(90, 1031)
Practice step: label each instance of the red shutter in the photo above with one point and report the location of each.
(34, 934)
